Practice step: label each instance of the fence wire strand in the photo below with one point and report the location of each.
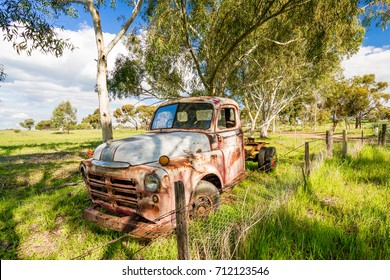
(218, 236)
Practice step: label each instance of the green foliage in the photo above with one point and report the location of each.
(126, 79)
(214, 39)
(93, 119)
(145, 114)
(137, 116)
(64, 116)
(44, 125)
(359, 97)
(366, 96)
(28, 123)
(27, 25)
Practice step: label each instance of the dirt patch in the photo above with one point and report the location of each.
(42, 243)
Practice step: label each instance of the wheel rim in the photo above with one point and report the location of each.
(200, 207)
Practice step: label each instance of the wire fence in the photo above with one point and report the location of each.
(220, 235)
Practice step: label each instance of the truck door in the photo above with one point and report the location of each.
(231, 141)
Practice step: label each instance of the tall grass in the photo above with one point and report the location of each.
(342, 214)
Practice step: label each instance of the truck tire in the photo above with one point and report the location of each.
(261, 157)
(270, 159)
(204, 201)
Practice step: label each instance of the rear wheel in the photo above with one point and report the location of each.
(261, 157)
(205, 200)
(270, 159)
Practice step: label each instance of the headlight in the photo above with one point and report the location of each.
(152, 182)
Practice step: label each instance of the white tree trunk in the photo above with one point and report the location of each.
(103, 51)
(264, 131)
(104, 101)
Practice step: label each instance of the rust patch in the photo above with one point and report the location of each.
(236, 155)
(132, 224)
(179, 163)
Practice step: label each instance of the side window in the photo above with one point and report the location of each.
(227, 118)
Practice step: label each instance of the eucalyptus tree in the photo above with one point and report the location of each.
(213, 37)
(28, 123)
(29, 21)
(127, 114)
(64, 116)
(364, 96)
(270, 52)
(290, 63)
(29, 25)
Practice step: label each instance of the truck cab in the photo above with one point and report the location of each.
(196, 140)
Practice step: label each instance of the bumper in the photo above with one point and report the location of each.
(134, 224)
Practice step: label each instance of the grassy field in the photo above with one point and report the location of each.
(341, 213)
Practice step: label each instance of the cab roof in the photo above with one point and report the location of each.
(215, 101)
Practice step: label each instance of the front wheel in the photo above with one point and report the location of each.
(205, 200)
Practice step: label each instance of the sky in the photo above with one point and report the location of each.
(36, 84)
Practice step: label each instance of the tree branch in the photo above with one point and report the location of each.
(288, 6)
(125, 27)
(188, 43)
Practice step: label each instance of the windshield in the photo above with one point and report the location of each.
(183, 116)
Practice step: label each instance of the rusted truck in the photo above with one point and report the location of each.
(198, 141)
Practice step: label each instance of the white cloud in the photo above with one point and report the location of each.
(36, 84)
(19, 116)
(369, 60)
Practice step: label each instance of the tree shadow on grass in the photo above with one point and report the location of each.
(29, 185)
(8, 150)
(37, 206)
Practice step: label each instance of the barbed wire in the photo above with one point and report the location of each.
(173, 212)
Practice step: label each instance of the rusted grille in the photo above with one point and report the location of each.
(117, 192)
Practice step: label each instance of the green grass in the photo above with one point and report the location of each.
(342, 214)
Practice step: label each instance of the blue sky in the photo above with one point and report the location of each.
(35, 85)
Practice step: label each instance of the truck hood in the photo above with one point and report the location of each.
(146, 148)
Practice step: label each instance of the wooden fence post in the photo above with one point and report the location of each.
(383, 134)
(307, 159)
(345, 144)
(329, 143)
(181, 222)
(362, 137)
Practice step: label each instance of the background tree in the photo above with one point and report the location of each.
(127, 114)
(145, 114)
(337, 102)
(64, 116)
(44, 125)
(28, 20)
(28, 123)
(93, 119)
(138, 117)
(365, 95)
